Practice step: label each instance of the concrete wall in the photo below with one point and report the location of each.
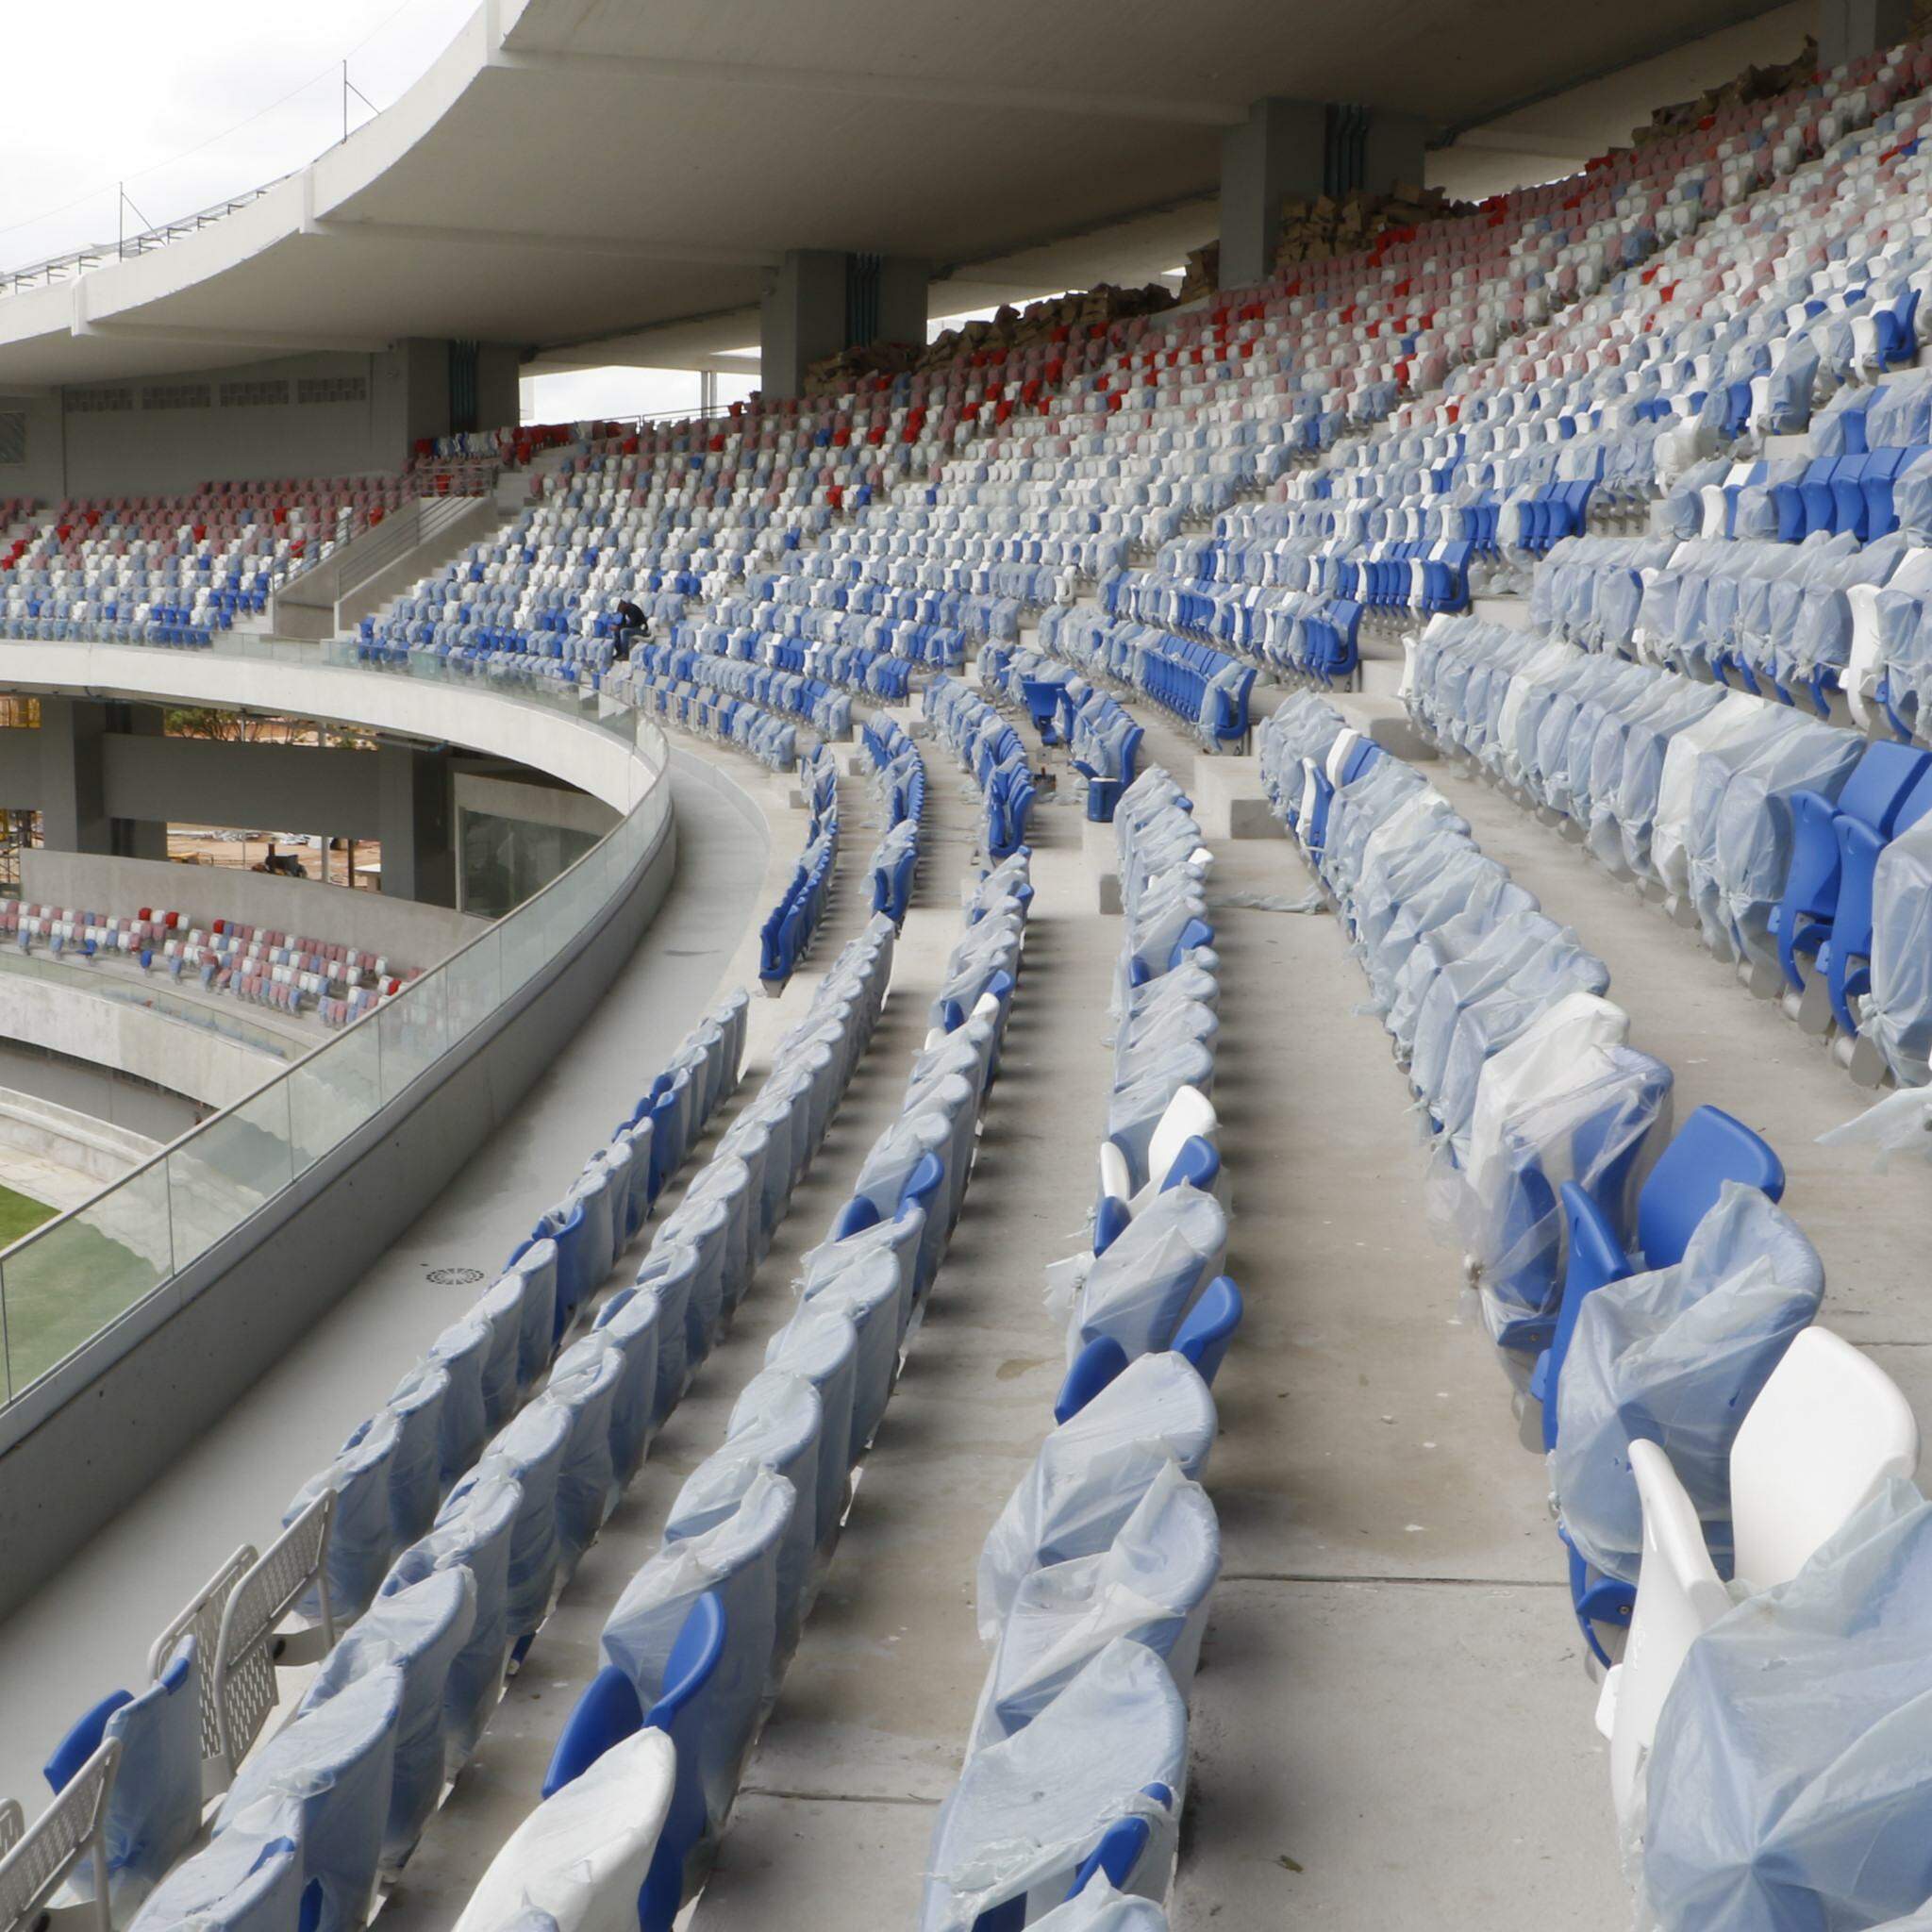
(538, 804)
(414, 935)
(31, 1123)
(152, 436)
(90, 1442)
(64, 1015)
(109, 1098)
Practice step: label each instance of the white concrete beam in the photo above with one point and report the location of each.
(627, 247)
(1158, 109)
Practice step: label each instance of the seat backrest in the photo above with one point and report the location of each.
(1190, 1114)
(1710, 1149)
(680, 1711)
(1596, 1257)
(1827, 1430)
(1882, 780)
(1679, 1594)
(1207, 1328)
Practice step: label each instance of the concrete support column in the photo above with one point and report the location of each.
(1849, 29)
(73, 792)
(1394, 151)
(418, 817)
(1305, 148)
(1277, 151)
(138, 837)
(823, 300)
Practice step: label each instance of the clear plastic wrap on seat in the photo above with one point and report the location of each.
(1091, 1474)
(332, 1767)
(476, 1536)
(1028, 1809)
(1790, 1783)
(1151, 1583)
(1677, 1356)
(779, 1421)
(1898, 1012)
(738, 1558)
(1136, 1291)
(421, 1630)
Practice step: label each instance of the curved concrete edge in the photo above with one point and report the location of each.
(82, 1444)
(210, 1067)
(573, 748)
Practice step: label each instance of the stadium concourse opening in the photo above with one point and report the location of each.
(1064, 1070)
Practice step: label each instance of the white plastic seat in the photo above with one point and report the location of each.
(580, 1858)
(1827, 1430)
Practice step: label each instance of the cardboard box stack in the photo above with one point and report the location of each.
(1753, 84)
(1330, 225)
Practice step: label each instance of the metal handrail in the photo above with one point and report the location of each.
(352, 564)
(61, 268)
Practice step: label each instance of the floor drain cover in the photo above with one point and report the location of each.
(455, 1277)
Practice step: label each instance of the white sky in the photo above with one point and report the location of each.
(189, 103)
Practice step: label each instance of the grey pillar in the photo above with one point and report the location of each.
(1392, 154)
(822, 300)
(1277, 151)
(138, 837)
(1304, 148)
(419, 858)
(1849, 29)
(74, 797)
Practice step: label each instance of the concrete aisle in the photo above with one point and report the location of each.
(833, 1820)
(1391, 1716)
(501, 1783)
(88, 1628)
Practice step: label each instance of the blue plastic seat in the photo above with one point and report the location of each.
(609, 1711)
(1710, 1149)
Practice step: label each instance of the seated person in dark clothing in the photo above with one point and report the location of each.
(632, 626)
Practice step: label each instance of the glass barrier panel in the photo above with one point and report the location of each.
(414, 1030)
(227, 1169)
(78, 1274)
(334, 1091)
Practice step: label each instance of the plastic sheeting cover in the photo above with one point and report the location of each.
(1092, 1472)
(1026, 1811)
(581, 1856)
(1676, 1357)
(1790, 1786)
(1151, 1583)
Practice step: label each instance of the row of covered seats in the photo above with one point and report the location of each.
(992, 752)
(1787, 280)
(807, 699)
(1705, 1443)
(1797, 848)
(179, 569)
(765, 736)
(547, 1481)
(743, 629)
(1203, 688)
(694, 1650)
(793, 921)
(1102, 738)
(296, 974)
(410, 1568)
(1093, 1586)
(900, 773)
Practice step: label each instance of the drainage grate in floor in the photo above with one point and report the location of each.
(455, 1277)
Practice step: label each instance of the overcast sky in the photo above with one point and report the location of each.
(187, 103)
